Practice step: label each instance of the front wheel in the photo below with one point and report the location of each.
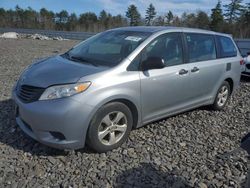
(110, 127)
(222, 96)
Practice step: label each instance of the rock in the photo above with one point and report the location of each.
(39, 37)
(39, 171)
(210, 176)
(202, 185)
(125, 152)
(157, 161)
(59, 38)
(131, 152)
(9, 35)
(52, 160)
(182, 144)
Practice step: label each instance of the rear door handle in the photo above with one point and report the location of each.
(195, 69)
(183, 71)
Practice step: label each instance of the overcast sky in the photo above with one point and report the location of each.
(115, 6)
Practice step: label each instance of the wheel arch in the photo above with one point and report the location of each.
(231, 83)
(131, 106)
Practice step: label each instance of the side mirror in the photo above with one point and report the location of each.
(153, 63)
(245, 143)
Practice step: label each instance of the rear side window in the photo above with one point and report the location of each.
(201, 47)
(226, 47)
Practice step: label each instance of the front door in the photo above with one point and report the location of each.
(163, 91)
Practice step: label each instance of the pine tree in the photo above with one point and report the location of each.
(88, 21)
(19, 20)
(3, 17)
(246, 14)
(72, 22)
(159, 21)
(133, 15)
(150, 14)
(244, 22)
(169, 17)
(233, 10)
(103, 19)
(216, 17)
(202, 20)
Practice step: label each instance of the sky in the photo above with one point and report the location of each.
(115, 6)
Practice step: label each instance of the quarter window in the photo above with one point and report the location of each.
(226, 47)
(201, 47)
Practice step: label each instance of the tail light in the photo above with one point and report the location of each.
(242, 62)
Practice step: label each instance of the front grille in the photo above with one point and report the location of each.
(28, 93)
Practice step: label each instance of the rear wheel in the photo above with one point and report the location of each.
(222, 96)
(110, 127)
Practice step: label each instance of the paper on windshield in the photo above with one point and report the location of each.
(133, 38)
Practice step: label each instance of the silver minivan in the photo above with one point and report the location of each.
(122, 79)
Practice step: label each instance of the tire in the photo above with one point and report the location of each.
(220, 105)
(107, 129)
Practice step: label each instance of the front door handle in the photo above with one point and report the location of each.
(195, 69)
(183, 71)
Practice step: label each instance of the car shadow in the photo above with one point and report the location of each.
(12, 135)
(149, 175)
(245, 79)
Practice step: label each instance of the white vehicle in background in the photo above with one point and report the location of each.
(246, 71)
(244, 47)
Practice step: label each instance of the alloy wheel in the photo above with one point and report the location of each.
(222, 96)
(112, 128)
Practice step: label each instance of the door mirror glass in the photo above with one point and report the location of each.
(153, 63)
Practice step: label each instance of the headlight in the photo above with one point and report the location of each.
(60, 91)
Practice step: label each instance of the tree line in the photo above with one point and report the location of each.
(232, 18)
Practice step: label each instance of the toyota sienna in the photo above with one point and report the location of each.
(121, 79)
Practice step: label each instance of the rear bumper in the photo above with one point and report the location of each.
(60, 123)
(245, 73)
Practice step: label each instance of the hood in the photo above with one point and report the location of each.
(57, 70)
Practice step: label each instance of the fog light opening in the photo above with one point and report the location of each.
(57, 135)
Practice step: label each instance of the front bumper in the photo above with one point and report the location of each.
(60, 123)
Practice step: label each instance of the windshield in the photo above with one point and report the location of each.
(108, 48)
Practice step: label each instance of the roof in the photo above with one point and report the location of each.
(150, 29)
(154, 29)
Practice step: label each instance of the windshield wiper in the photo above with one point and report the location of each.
(80, 59)
(66, 55)
(83, 60)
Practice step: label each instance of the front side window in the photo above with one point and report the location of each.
(168, 47)
(108, 48)
(226, 47)
(201, 47)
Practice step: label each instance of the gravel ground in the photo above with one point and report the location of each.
(181, 151)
